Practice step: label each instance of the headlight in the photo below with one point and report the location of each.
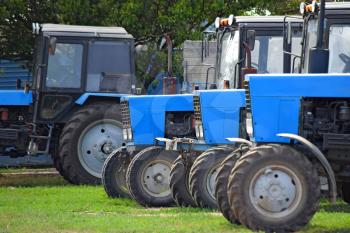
(249, 125)
(199, 131)
(125, 134)
(130, 134)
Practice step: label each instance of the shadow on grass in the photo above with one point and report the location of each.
(322, 230)
(339, 207)
(33, 180)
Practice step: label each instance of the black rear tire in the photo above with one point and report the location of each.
(148, 176)
(114, 174)
(221, 186)
(346, 192)
(72, 168)
(258, 182)
(205, 166)
(179, 186)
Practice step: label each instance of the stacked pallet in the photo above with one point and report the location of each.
(11, 71)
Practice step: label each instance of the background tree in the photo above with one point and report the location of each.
(146, 20)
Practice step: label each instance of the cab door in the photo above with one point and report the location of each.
(62, 81)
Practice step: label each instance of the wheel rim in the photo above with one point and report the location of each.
(155, 178)
(275, 191)
(213, 173)
(96, 142)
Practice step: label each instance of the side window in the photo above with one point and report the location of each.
(339, 49)
(109, 66)
(64, 66)
(229, 57)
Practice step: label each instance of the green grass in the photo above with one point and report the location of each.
(54, 207)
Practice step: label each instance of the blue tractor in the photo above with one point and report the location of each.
(299, 127)
(71, 110)
(160, 129)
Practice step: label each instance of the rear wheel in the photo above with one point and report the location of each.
(114, 174)
(86, 141)
(179, 186)
(221, 186)
(148, 176)
(274, 188)
(203, 174)
(346, 192)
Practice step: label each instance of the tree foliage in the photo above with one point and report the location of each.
(146, 20)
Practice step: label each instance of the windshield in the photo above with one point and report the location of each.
(229, 52)
(339, 49)
(311, 40)
(267, 55)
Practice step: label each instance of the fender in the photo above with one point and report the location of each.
(240, 140)
(15, 98)
(321, 157)
(84, 97)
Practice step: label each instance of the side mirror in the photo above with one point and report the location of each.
(52, 45)
(318, 60)
(251, 34)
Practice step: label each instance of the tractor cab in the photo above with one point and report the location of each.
(248, 44)
(326, 50)
(72, 60)
(79, 75)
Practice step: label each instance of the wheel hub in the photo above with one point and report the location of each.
(107, 148)
(96, 142)
(274, 191)
(156, 179)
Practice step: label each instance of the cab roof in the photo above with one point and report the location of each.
(266, 19)
(85, 31)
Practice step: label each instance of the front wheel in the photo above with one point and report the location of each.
(87, 139)
(179, 186)
(274, 188)
(203, 174)
(148, 176)
(114, 173)
(221, 186)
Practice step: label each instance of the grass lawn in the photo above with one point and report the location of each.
(58, 207)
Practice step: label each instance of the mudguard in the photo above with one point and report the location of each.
(15, 98)
(84, 97)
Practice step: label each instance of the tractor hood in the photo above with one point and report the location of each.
(221, 113)
(147, 114)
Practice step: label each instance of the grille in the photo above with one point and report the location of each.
(247, 96)
(10, 134)
(197, 108)
(125, 114)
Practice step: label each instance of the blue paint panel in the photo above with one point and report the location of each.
(15, 98)
(221, 114)
(82, 99)
(275, 100)
(148, 114)
(300, 85)
(273, 115)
